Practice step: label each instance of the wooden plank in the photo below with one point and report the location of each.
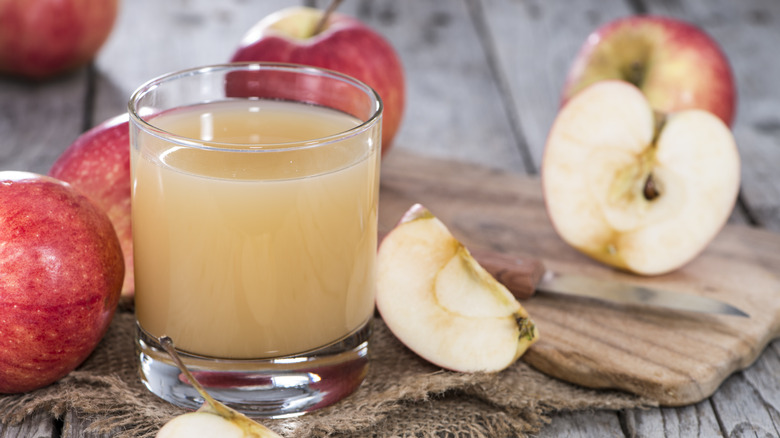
(152, 38)
(77, 427)
(754, 394)
(695, 420)
(583, 424)
(39, 120)
(535, 43)
(40, 425)
(453, 107)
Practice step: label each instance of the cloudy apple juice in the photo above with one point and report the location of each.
(259, 242)
(254, 203)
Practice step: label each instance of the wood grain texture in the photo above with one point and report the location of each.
(40, 120)
(75, 426)
(152, 38)
(454, 108)
(675, 358)
(535, 43)
(40, 425)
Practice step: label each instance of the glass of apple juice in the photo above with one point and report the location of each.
(254, 200)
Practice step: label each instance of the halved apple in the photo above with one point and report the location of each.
(438, 301)
(638, 190)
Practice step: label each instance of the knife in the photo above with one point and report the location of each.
(524, 276)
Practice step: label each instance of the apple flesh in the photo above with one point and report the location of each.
(439, 302)
(98, 165)
(61, 268)
(675, 64)
(43, 38)
(345, 45)
(635, 189)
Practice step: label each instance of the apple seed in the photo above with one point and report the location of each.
(651, 190)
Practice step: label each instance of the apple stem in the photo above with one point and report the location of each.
(167, 344)
(334, 4)
(660, 122)
(636, 74)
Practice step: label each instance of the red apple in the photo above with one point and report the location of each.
(345, 45)
(674, 63)
(61, 269)
(98, 165)
(43, 38)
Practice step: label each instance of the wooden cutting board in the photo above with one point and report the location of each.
(676, 358)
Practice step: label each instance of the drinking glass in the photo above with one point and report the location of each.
(254, 206)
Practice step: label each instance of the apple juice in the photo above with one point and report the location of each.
(257, 243)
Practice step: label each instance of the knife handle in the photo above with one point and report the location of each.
(519, 274)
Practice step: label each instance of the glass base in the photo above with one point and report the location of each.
(268, 388)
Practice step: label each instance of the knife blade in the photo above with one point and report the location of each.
(524, 276)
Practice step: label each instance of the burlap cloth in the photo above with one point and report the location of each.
(402, 396)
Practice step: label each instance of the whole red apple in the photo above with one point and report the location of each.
(61, 269)
(345, 45)
(675, 64)
(43, 38)
(98, 165)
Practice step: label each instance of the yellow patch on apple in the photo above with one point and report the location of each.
(635, 189)
(440, 303)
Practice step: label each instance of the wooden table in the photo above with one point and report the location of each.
(483, 81)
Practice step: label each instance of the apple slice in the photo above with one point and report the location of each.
(438, 301)
(634, 189)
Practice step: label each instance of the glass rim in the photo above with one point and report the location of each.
(186, 141)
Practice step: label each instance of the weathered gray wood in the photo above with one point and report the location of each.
(753, 394)
(39, 120)
(152, 38)
(695, 420)
(77, 427)
(453, 108)
(41, 425)
(535, 43)
(583, 424)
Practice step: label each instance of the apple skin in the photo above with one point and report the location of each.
(346, 45)
(674, 63)
(62, 271)
(44, 38)
(97, 163)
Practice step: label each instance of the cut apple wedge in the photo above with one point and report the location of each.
(638, 190)
(440, 303)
